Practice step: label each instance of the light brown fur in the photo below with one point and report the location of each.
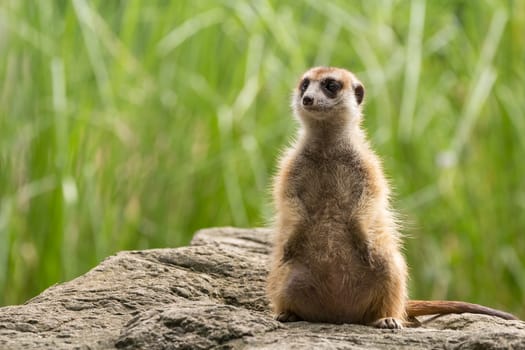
(337, 251)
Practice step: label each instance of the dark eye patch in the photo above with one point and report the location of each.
(331, 87)
(304, 85)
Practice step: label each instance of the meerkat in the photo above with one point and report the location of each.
(337, 247)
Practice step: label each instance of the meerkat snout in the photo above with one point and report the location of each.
(308, 101)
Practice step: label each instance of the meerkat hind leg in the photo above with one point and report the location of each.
(388, 322)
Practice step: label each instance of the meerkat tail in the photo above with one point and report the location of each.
(443, 307)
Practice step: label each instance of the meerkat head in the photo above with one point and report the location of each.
(324, 93)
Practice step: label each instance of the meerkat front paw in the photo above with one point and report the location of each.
(388, 322)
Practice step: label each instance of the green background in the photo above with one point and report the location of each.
(131, 124)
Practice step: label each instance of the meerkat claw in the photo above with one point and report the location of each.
(388, 323)
(287, 317)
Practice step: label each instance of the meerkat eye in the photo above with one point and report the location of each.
(304, 85)
(331, 87)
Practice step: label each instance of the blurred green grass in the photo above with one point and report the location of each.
(131, 124)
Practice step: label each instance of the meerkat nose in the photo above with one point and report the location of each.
(308, 101)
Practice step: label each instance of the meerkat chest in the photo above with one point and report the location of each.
(332, 183)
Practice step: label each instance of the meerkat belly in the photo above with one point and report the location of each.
(332, 288)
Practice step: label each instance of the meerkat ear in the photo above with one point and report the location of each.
(359, 92)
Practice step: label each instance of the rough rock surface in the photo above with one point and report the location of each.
(210, 295)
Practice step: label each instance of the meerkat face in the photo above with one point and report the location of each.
(324, 92)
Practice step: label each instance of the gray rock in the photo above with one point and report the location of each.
(210, 295)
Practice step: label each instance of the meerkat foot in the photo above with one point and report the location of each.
(287, 316)
(388, 322)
